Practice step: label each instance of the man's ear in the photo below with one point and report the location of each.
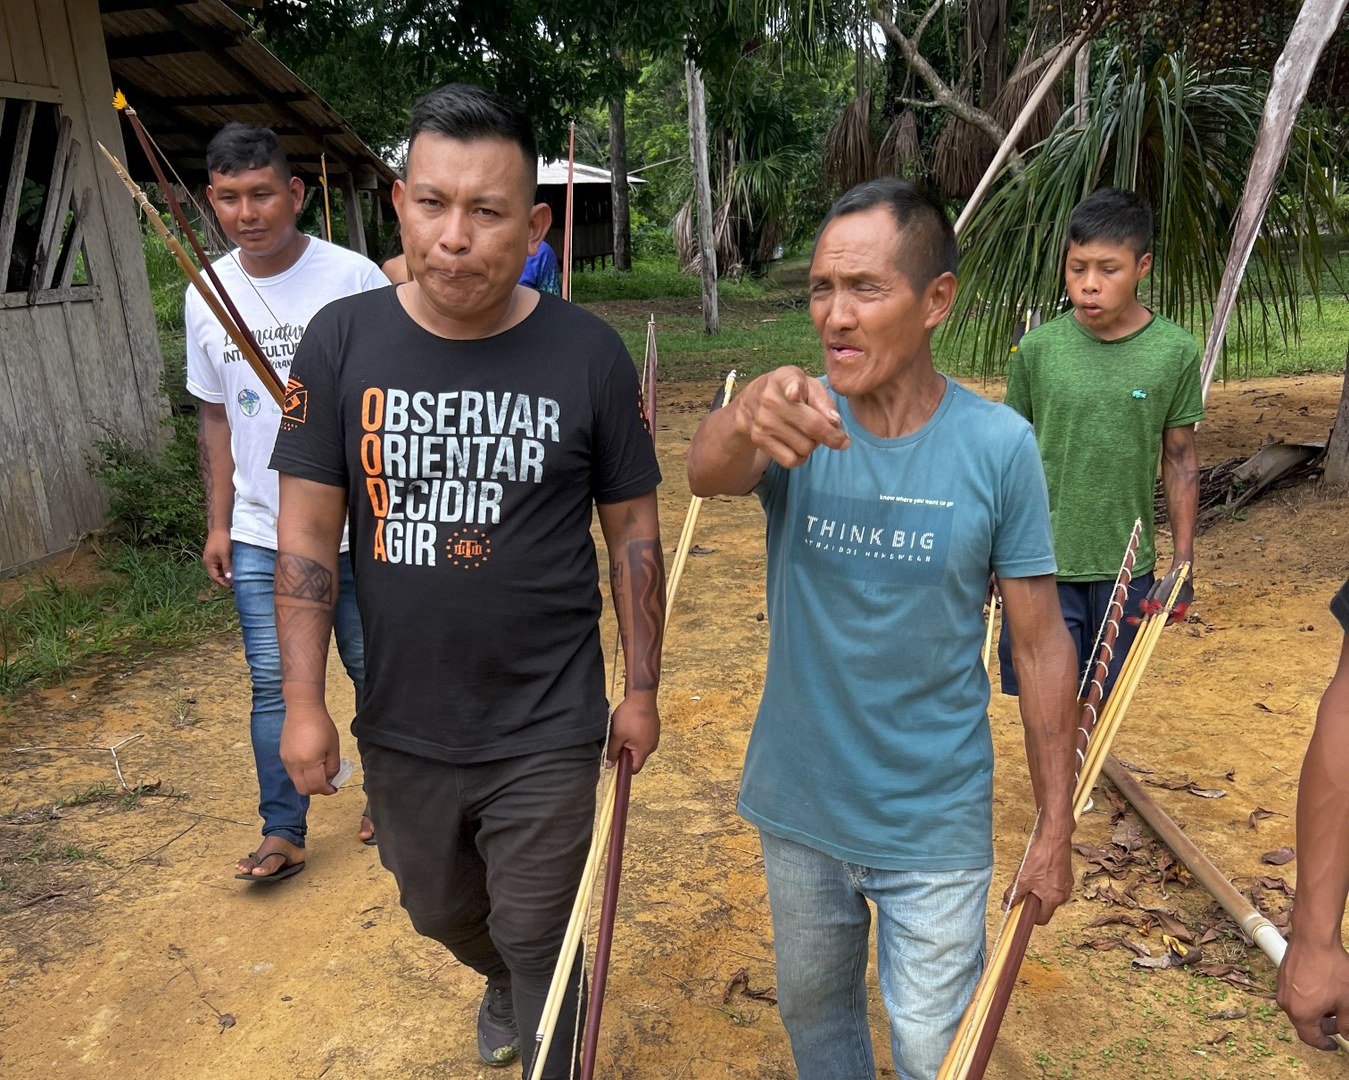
(210, 197)
(1144, 264)
(297, 193)
(938, 297)
(540, 221)
(397, 195)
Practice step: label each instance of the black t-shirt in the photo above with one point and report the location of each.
(471, 468)
(1339, 606)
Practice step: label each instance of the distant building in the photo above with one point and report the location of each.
(592, 210)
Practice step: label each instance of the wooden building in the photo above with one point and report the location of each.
(79, 354)
(592, 210)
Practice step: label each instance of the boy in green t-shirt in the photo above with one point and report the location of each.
(1109, 387)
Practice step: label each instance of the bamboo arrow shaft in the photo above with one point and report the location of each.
(1098, 748)
(260, 366)
(267, 373)
(571, 940)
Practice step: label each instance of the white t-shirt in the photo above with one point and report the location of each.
(277, 309)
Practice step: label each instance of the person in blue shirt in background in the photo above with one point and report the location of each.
(541, 271)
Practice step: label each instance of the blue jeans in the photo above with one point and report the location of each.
(281, 807)
(930, 953)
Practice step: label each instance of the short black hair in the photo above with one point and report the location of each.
(1114, 215)
(930, 242)
(243, 147)
(465, 112)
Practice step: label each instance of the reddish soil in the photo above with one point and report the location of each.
(127, 948)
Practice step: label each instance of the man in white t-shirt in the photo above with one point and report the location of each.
(278, 278)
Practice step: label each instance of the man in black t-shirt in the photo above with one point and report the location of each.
(468, 425)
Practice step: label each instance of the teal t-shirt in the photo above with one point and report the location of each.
(1099, 409)
(872, 741)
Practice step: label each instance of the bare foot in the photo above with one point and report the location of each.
(274, 857)
(366, 833)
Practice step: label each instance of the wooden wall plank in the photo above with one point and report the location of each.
(9, 211)
(32, 408)
(61, 448)
(54, 203)
(88, 381)
(64, 272)
(25, 39)
(6, 62)
(117, 260)
(20, 535)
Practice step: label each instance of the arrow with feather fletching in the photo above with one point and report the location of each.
(230, 319)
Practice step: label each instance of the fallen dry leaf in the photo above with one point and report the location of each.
(1276, 712)
(1259, 814)
(1276, 884)
(1278, 858)
(1222, 1038)
(1227, 1014)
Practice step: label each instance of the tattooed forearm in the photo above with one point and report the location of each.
(299, 578)
(305, 594)
(638, 580)
(303, 634)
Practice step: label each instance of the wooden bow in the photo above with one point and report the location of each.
(230, 319)
(612, 821)
(970, 1050)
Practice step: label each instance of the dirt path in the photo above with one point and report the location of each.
(126, 948)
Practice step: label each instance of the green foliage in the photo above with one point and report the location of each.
(652, 279)
(766, 323)
(143, 597)
(1184, 140)
(155, 495)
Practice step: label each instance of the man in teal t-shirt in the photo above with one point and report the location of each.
(1109, 388)
(890, 493)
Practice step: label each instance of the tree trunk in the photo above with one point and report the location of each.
(1315, 25)
(702, 188)
(1082, 83)
(1337, 453)
(618, 168)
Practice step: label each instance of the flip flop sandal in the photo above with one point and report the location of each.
(287, 869)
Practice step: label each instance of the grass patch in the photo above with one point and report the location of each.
(140, 597)
(765, 323)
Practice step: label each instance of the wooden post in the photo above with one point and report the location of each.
(351, 208)
(702, 187)
(1082, 82)
(618, 166)
(1315, 25)
(1337, 453)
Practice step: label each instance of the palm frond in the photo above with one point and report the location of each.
(1183, 139)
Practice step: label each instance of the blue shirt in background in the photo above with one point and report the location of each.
(872, 741)
(541, 271)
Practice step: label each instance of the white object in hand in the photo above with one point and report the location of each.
(344, 771)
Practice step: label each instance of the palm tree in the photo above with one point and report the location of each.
(1183, 139)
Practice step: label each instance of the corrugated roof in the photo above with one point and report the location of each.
(555, 172)
(190, 68)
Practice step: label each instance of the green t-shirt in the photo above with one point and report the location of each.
(1099, 409)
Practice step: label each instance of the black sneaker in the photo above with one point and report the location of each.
(498, 1037)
